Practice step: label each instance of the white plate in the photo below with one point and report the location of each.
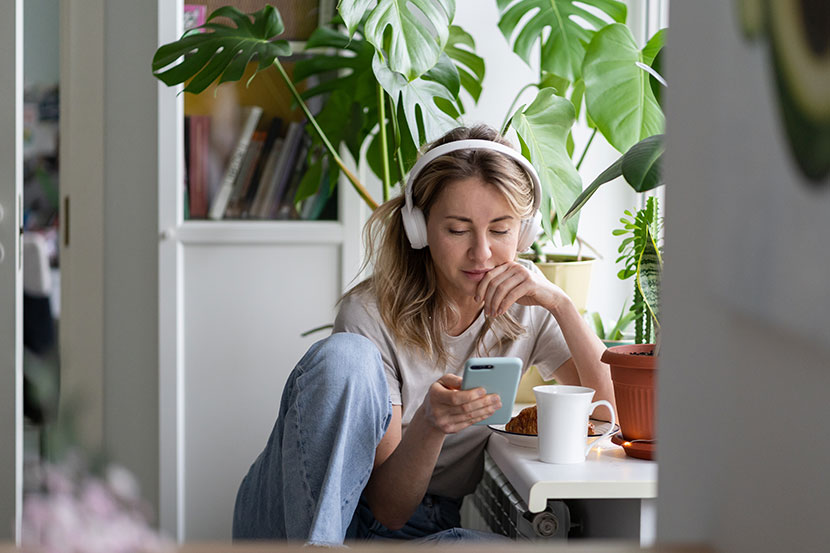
(531, 441)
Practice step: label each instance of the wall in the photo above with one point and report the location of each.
(743, 459)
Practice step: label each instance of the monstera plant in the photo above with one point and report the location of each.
(395, 75)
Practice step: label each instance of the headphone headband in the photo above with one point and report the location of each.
(413, 218)
(474, 144)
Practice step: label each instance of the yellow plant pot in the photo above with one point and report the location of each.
(574, 277)
(530, 379)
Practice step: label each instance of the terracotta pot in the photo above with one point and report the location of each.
(634, 378)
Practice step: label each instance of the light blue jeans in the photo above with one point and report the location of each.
(306, 485)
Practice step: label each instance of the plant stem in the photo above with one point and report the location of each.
(585, 151)
(393, 115)
(384, 146)
(503, 128)
(332, 151)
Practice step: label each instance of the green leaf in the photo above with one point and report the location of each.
(641, 164)
(563, 50)
(543, 128)
(469, 65)
(618, 95)
(310, 182)
(649, 274)
(352, 12)
(598, 327)
(653, 47)
(345, 73)
(445, 74)
(611, 173)
(577, 96)
(560, 84)
(221, 54)
(418, 101)
(408, 44)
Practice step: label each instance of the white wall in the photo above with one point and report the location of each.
(742, 441)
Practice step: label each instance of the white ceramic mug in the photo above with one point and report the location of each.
(562, 422)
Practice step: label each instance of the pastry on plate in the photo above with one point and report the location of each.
(525, 423)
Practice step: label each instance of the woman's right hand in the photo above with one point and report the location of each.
(450, 409)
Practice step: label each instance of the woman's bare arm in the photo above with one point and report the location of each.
(404, 461)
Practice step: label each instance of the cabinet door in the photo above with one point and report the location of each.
(11, 274)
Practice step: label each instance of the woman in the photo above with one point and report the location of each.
(375, 439)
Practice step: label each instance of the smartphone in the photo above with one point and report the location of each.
(497, 375)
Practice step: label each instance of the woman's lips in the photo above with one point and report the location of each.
(476, 275)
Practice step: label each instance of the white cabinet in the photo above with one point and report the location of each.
(234, 297)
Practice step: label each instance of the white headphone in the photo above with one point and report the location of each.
(414, 222)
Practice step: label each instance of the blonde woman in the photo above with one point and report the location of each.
(375, 438)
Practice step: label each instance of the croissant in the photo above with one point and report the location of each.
(525, 423)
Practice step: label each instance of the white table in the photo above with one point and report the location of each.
(619, 492)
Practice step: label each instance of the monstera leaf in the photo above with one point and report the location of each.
(425, 118)
(407, 44)
(543, 129)
(564, 47)
(640, 166)
(222, 53)
(618, 94)
(461, 49)
(345, 72)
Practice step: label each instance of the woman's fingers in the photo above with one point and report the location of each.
(452, 409)
(498, 284)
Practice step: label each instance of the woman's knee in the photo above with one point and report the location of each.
(346, 358)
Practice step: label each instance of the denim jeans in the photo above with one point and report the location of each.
(306, 485)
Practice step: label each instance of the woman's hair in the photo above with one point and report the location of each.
(404, 279)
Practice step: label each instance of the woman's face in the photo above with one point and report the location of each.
(471, 229)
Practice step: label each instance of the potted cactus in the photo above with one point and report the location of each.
(634, 367)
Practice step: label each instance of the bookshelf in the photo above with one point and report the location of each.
(234, 297)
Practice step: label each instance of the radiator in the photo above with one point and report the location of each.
(498, 508)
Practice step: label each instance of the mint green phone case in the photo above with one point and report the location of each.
(497, 375)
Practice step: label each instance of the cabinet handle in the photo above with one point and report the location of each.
(66, 221)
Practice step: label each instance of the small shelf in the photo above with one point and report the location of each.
(261, 232)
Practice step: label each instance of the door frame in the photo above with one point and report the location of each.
(11, 270)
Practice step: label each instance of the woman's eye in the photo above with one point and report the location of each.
(457, 232)
(500, 231)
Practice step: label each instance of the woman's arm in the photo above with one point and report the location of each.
(513, 283)
(404, 463)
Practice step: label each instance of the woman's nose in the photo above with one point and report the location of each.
(480, 249)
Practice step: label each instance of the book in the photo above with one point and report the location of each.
(287, 209)
(270, 192)
(194, 16)
(314, 205)
(250, 117)
(198, 135)
(274, 129)
(252, 158)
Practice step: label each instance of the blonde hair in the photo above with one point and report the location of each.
(404, 280)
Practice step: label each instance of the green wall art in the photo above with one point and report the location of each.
(797, 33)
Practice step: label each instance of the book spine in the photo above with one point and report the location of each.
(220, 203)
(200, 145)
(282, 174)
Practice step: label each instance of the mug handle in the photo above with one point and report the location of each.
(594, 405)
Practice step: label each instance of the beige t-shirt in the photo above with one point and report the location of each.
(410, 373)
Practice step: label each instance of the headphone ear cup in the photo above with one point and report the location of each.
(415, 226)
(528, 231)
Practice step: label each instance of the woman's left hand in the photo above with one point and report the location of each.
(511, 283)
